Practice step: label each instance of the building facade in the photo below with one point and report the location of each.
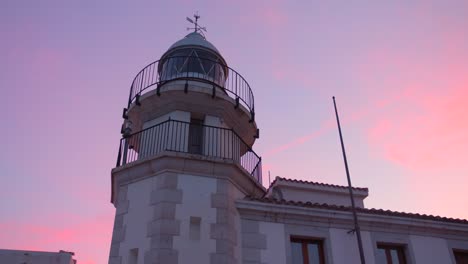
(298, 219)
(8, 256)
(187, 183)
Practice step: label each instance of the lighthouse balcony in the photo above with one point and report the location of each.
(221, 79)
(192, 138)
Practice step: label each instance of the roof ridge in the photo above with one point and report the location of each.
(363, 210)
(318, 183)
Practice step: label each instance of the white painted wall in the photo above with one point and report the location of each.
(276, 243)
(430, 250)
(196, 201)
(37, 257)
(174, 115)
(219, 142)
(164, 136)
(137, 219)
(345, 249)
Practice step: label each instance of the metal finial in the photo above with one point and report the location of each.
(197, 27)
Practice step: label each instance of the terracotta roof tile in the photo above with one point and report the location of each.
(362, 210)
(318, 184)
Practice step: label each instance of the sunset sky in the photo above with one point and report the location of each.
(399, 72)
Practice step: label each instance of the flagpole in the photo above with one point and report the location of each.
(350, 188)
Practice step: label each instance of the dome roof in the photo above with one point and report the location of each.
(193, 39)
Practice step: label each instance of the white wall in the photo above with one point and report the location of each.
(196, 201)
(170, 135)
(345, 249)
(219, 142)
(430, 250)
(137, 219)
(213, 121)
(175, 115)
(276, 243)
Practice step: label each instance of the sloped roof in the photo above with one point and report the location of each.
(317, 184)
(362, 210)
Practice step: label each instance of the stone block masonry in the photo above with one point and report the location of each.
(163, 226)
(118, 233)
(252, 242)
(224, 230)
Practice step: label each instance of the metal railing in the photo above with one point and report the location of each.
(219, 75)
(179, 136)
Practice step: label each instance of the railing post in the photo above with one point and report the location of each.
(119, 155)
(188, 65)
(137, 100)
(142, 79)
(259, 170)
(167, 132)
(124, 160)
(130, 95)
(236, 84)
(215, 77)
(232, 144)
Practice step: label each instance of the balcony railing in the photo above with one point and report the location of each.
(178, 136)
(219, 75)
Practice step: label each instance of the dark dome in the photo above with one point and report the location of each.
(193, 57)
(194, 39)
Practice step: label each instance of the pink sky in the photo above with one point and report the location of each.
(399, 72)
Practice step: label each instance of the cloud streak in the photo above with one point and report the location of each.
(84, 234)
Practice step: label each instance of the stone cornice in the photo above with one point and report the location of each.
(185, 163)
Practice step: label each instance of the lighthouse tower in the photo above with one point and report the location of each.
(185, 157)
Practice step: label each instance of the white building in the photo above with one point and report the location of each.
(35, 257)
(187, 185)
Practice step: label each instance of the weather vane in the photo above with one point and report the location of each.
(197, 27)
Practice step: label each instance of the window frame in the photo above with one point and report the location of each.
(456, 250)
(305, 252)
(400, 248)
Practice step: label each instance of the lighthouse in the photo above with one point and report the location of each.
(184, 159)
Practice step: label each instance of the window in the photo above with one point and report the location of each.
(196, 136)
(133, 256)
(193, 63)
(195, 228)
(461, 256)
(307, 251)
(390, 254)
